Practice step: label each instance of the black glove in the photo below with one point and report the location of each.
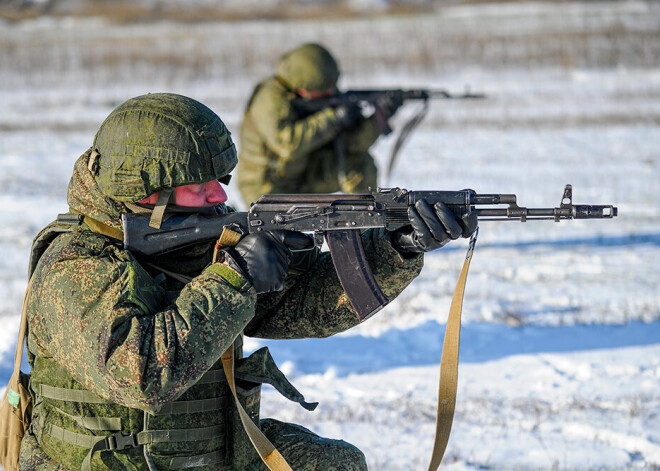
(389, 103)
(431, 227)
(264, 258)
(348, 114)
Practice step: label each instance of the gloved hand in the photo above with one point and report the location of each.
(389, 103)
(348, 114)
(264, 258)
(431, 227)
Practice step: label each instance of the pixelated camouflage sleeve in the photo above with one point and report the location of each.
(98, 313)
(288, 136)
(314, 303)
(362, 137)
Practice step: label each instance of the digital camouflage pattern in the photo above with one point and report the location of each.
(285, 152)
(157, 141)
(311, 450)
(99, 321)
(102, 322)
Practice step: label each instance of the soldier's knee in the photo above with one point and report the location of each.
(306, 450)
(351, 460)
(338, 455)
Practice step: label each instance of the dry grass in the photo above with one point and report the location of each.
(125, 12)
(172, 52)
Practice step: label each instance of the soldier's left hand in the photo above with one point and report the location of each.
(431, 227)
(263, 258)
(389, 103)
(348, 114)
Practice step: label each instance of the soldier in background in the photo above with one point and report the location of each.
(126, 351)
(283, 151)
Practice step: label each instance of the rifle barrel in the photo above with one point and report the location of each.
(445, 94)
(580, 211)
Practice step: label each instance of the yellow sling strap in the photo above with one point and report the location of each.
(22, 331)
(16, 404)
(449, 365)
(267, 451)
(100, 227)
(104, 229)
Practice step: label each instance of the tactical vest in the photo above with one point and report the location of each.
(200, 430)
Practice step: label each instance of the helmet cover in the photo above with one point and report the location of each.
(158, 141)
(310, 67)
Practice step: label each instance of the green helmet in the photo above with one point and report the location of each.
(158, 141)
(310, 67)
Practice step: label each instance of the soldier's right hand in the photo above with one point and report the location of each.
(263, 258)
(348, 114)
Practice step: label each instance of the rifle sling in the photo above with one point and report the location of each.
(14, 385)
(99, 227)
(449, 365)
(407, 129)
(267, 451)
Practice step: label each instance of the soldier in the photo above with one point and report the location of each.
(126, 352)
(283, 151)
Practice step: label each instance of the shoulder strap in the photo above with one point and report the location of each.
(103, 229)
(22, 330)
(13, 395)
(449, 365)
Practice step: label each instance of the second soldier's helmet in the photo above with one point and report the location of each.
(158, 141)
(310, 67)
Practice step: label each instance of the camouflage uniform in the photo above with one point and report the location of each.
(285, 152)
(123, 355)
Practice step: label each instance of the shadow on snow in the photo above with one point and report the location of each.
(480, 342)
(422, 345)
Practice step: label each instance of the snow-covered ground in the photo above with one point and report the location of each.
(560, 351)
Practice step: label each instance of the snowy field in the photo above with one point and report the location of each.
(560, 351)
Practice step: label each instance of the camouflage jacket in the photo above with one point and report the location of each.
(103, 324)
(284, 152)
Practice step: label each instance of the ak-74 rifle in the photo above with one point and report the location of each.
(339, 219)
(368, 99)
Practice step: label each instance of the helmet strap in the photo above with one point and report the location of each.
(159, 210)
(93, 162)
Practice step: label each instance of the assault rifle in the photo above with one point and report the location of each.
(369, 99)
(339, 218)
